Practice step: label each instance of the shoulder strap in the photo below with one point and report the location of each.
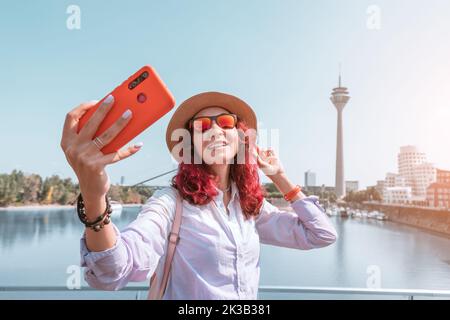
(173, 241)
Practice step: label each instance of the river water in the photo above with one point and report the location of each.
(41, 248)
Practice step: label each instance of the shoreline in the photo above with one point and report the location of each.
(430, 219)
(52, 206)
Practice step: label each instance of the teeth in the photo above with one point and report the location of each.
(217, 145)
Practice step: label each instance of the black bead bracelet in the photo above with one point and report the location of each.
(97, 224)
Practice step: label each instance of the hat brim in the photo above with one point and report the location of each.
(194, 104)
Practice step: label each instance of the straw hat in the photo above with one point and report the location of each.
(194, 104)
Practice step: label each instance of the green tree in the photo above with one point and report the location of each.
(19, 188)
(31, 189)
(364, 195)
(272, 191)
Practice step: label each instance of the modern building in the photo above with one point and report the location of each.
(408, 158)
(414, 172)
(395, 189)
(310, 179)
(394, 180)
(351, 186)
(339, 98)
(419, 173)
(397, 195)
(424, 174)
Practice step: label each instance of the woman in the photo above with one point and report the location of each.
(225, 216)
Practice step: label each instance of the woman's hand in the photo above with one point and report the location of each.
(83, 155)
(268, 162)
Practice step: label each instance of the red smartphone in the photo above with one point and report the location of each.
(146, 95)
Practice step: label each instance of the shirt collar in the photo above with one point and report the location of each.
(234, 191)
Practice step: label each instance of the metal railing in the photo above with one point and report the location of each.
(284, 291)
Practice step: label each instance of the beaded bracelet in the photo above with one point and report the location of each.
(291, 194)
(97, 224)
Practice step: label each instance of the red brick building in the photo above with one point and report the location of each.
(442, 176)
(438, 193)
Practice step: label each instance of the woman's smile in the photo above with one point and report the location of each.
(217, 145)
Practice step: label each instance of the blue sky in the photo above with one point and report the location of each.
(281, 57)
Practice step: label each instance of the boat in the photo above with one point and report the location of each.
(343, 213)
(357, 214)
(381, 216)
(332, 211)
(373, 214)
(377, 215)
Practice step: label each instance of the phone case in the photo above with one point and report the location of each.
(149, 100)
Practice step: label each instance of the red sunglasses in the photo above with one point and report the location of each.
(224, 120)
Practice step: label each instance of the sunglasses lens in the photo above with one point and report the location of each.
(202, 123)
(226, 121)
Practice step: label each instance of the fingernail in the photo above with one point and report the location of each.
(109, 99)
(138, 145)
(126, 114)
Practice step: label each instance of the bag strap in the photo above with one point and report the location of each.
(173, 238)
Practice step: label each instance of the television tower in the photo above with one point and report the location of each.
(339, 98)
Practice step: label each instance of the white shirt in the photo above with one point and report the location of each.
(217, 256)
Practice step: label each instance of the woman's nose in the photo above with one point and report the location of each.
(216, 131)
(216, 128)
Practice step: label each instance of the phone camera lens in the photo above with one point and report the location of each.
(145, 75)
(133, 84)
(141, 97)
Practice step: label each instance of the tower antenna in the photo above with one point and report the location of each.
(340, 74)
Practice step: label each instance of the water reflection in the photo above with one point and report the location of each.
(30, 226)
